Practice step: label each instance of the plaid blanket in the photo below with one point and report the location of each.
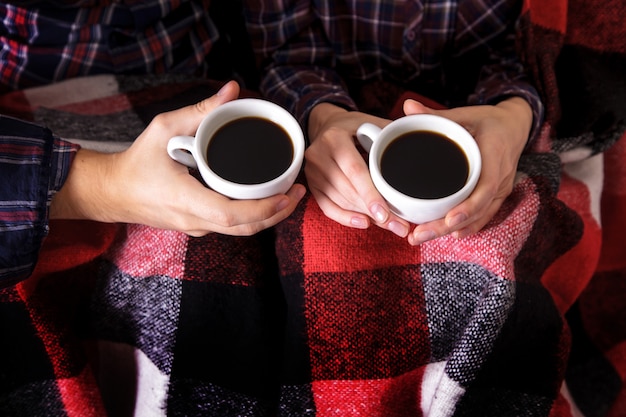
(309, 318)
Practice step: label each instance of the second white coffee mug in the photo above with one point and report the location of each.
(414, 209)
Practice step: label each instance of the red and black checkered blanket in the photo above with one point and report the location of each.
(526, 318)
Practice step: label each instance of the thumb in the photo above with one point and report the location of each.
(187, 119)
(412, 106)
(228, 92)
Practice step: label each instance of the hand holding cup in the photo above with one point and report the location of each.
(245, 149)
(423, 164)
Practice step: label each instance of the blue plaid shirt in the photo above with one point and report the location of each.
(33, 166)
(311, 49)
(42, 42)
(46, 41)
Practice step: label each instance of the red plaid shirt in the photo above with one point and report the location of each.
(45, 42)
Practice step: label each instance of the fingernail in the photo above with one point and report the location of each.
(359, 222)
(424, 236)
(379, 213)
(456, 220)
(398, 228)
(460, 234)
(300, 192)
(282, 204)
(221, 90)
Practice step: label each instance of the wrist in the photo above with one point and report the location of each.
(86, 191)
(319, 117)
(520, 111)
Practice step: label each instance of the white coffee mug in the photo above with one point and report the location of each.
(192, 151)
(419, 210)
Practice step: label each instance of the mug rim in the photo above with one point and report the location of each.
(233, 110)
(455, 132)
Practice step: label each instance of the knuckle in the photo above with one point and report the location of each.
(161, 124)
(493, 190)
(160, 121)
(225, 218)
(184, 225)
(201, 106)
(198, 233)
(309, 155)
(249, 229)
(352, 168)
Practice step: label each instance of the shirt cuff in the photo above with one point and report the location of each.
(35, 167)
(485, 95)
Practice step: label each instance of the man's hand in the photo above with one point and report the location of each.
(144, 185)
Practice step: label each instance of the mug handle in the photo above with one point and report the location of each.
(366, 134)
(180, 149)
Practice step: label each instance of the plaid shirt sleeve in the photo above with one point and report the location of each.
(44, 41)
(33, 166)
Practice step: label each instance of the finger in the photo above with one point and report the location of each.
(466, 216)
(492, 189)
(335, 204)
(438, 228)
(247, 217)
(227, 92)
(458, 115)
(375, 205)
(480, 222)
(427, 231)
(359, 183)
(334, 212)
(284, 207)
(331, 169)
(325, 175)
(411, 106)
(465, 219)
(187, 119)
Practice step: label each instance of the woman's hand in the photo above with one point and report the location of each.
(501, 132)
(337, 173)
(144, 185)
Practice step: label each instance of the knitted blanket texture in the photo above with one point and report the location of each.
(310, 318)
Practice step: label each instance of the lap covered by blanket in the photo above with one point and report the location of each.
(314, 319)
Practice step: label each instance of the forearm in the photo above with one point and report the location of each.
(84, 193)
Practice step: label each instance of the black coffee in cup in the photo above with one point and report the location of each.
(250, 150)
(424, 164)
